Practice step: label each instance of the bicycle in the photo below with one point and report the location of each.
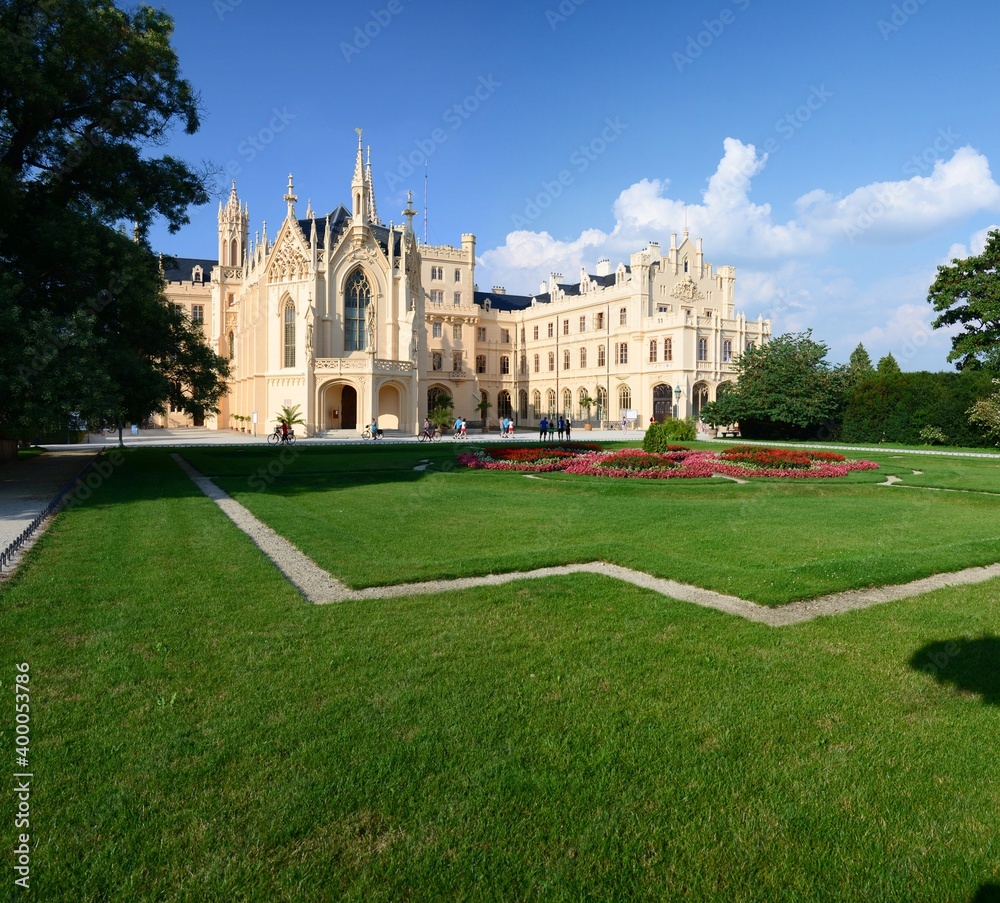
(367, 434)
(430, 435)
(277, 439)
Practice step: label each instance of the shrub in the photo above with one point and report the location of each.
(659, 436)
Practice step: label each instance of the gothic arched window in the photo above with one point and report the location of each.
(358, 295)
(288, 318)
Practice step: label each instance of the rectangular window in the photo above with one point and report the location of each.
(565, 327)
(552, 360)
(583, 324)
(552, 330)
(458, 297)
(600, 356)
(535, 336)
(480, 363)
(623, 317)
(599, 321)
(504, 364)
(436, 330)
(668, 349)
(583, 358)
(481, 333)
(456, 360)
(623, 353)
(198, 313)
(437, 272)
(436, 360)
(652, 351)
(727, 350)
(458, 275)
(537, 364)
(702, 349)
(566, 359)
(437, 296)
(504, 335)
(456, 331)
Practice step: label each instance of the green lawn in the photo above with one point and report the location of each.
(199, 732)
(770, 541)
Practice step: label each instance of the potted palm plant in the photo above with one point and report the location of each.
(483, 406)
(290, 415)
(587, 403)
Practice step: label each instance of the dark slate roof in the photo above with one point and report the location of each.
(505, 302)
(340, 222)
(179, 269)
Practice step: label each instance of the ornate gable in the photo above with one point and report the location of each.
(288, 260)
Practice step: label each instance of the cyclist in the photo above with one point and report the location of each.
(376, 432)
(284, 432)
(427, 429)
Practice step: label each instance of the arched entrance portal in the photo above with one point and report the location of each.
(699, 397)
(662, 403)
(388, 407)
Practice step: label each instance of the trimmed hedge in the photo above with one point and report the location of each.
(661, 435)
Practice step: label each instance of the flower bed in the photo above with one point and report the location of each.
(738, 461)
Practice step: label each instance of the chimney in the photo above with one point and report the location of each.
(604, 267)
(499, 290)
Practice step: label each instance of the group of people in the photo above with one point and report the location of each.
(549, 428)
(459, 427)
(506, 428)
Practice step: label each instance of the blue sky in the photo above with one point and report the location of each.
(835, 154)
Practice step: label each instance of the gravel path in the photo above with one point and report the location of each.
(319, 586)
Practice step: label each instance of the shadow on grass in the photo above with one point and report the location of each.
(987, 893)
(969, 665)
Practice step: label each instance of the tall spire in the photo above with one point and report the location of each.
(409, 212)
(372, 212)
(359, 189)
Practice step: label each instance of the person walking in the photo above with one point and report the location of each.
(569, 427)
(543, 429)
(562, 427)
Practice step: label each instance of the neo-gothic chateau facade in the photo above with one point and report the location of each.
(353, 320)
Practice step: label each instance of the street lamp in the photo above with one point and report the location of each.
(677, 399)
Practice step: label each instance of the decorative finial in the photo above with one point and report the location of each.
(290, 198)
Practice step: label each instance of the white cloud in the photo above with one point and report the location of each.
(739, 229)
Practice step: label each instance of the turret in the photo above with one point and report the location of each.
(234, 228)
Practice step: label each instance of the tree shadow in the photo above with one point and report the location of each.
(987, 893)
(969, 665)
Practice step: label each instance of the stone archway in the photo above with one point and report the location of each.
(339, 406)
(389, 407)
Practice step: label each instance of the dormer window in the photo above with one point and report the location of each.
(196, 274)
(685, 264)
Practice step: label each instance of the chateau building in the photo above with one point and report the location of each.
(353, 320)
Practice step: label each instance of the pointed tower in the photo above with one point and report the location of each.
(372, 212)
(234, 229)
(359, 188)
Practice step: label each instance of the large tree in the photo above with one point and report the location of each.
(86, 91)
(785, 387)
(967, 293)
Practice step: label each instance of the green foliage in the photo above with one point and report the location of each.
(290, 415)
(896, 407)
(441, 413)
(86, 90)
(660, 435)
(888, 366)
(931, 435)
(860, 363)
(783, 387)
(967, 293)
(985, 413)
